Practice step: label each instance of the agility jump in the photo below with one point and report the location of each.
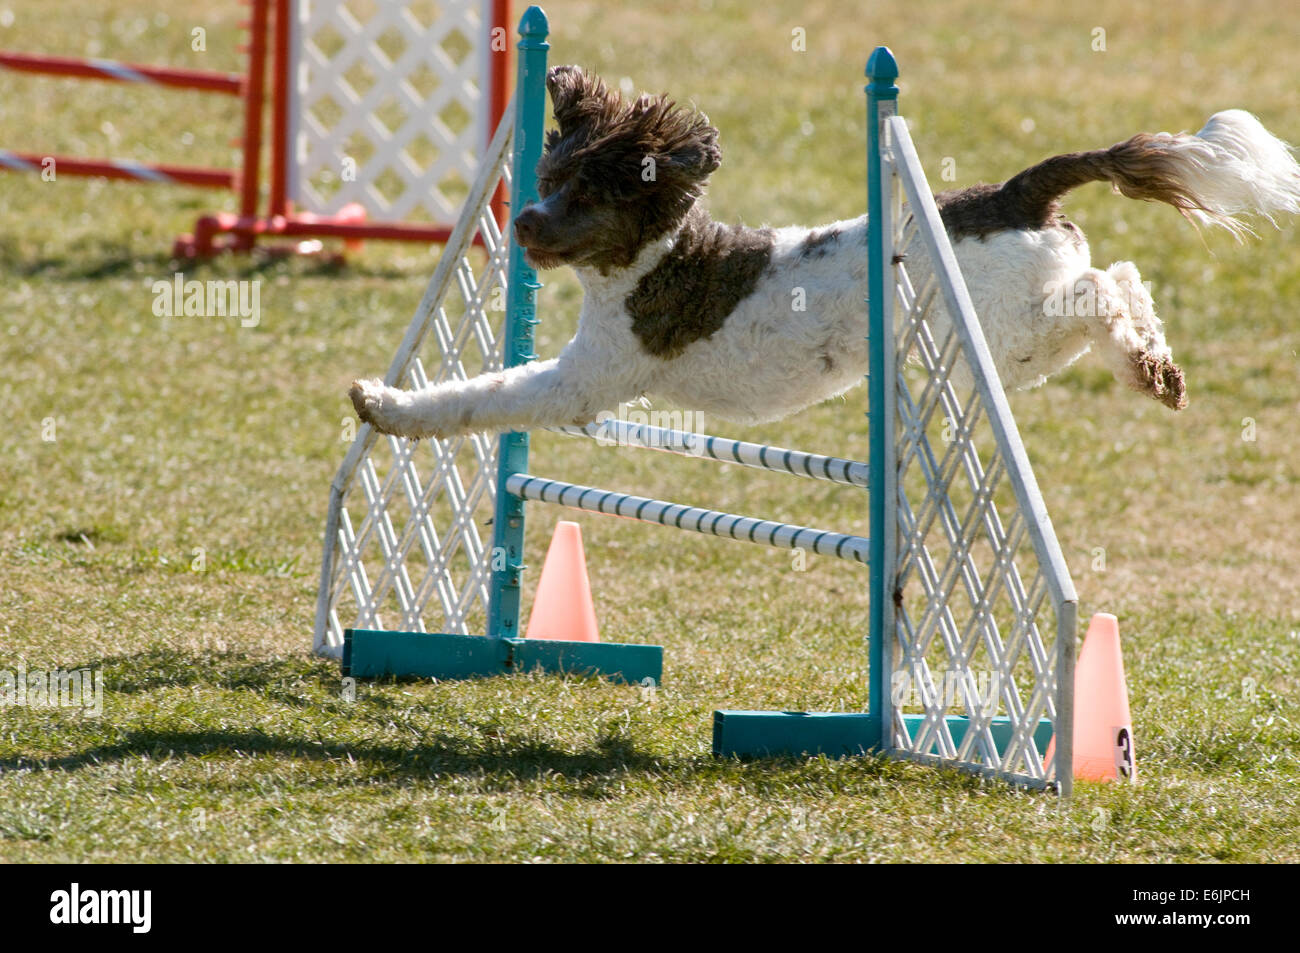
(962, 559)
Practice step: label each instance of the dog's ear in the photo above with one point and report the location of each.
(698, 154)
(578, 98)
(687, 146)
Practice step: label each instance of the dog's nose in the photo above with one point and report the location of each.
(527, 223)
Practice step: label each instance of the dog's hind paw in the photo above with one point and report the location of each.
(1162, 379)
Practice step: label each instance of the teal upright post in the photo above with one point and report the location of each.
(767, 733)
(521, 317)
(882, 97)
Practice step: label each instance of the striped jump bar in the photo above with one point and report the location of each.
(694, 518)
(232, 84)
(119, 169)
(756, 455)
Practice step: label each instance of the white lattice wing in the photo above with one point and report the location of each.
(405, 536)
(983, 603)
(388, 106)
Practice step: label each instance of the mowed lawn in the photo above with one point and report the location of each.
(163, 481)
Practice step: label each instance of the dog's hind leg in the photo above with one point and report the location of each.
(1127, 333)
(526, 397)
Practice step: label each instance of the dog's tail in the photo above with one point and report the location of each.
(1232, 167)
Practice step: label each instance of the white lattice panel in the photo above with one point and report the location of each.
(388, 105)
(984, 606)
(407, 527)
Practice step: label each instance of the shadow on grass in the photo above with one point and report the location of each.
(498, 758)
(505, 765)
(289, 681)
(508, 762)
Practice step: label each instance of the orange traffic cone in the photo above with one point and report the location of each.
(1103, 727)
(562, 608)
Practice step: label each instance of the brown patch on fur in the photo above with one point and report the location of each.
(688, 295)
(828, 362)
(816, 244)
(1162, 379)
(1138, 168)
(982, 210)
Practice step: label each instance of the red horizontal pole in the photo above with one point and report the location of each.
(324, 227)
(360, 230)
(228, 83)
(120, 169)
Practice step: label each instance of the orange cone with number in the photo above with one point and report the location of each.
(562, 608)
(1103, 727)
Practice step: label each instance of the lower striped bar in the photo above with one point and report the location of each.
(693, 518)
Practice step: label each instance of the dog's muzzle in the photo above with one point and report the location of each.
(527, 224)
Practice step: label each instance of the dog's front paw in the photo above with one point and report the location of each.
(433, 412)
(368, 401)
(382, 407)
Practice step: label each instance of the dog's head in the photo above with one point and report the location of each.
(614, 176)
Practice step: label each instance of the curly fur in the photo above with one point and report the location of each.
(755, 324)
(614, 175)
(688, 295)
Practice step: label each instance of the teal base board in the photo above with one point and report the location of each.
(767, 734)
(375, 653)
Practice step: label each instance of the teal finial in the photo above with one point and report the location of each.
(882, 70)
(534, 23)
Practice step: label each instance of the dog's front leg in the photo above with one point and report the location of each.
(526, 397)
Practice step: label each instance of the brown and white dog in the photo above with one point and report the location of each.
(680, 307)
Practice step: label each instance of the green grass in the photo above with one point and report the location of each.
(192, 441)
